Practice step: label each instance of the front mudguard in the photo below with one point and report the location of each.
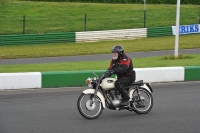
(91, 91)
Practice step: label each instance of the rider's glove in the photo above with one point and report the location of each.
(108, 73)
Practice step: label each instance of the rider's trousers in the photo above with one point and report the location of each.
(123, 82)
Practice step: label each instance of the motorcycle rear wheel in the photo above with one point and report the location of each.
(86, 109)
(143, 104)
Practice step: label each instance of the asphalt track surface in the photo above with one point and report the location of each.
(92, 57)
(176, 110)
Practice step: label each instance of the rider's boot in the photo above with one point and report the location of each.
(125, 98)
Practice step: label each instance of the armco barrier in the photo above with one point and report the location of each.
(89, 36)
(77, 78)
(60, 79)
(37, 38)
(192, 73)
(160, 74)
(126, 34)
(67, 78)
(20, 80)
(159, 31)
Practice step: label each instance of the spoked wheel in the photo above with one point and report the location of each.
(88, 109)
(142, 102)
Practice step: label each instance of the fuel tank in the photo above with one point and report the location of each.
(108, 83)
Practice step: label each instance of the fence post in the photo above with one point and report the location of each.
(24, 21)
(144, 13)
(199, 16)
(85, 23)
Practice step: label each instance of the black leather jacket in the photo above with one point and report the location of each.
(122, 66)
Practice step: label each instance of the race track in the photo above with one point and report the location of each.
(176, 110)
(92, 57)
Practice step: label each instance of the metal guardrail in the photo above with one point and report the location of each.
(37, 38)
(126, 34)
(87, 36)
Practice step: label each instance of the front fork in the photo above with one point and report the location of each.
(95, 93)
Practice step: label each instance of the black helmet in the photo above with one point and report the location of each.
(119, 49)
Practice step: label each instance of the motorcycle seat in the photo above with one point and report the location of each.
(140, 82)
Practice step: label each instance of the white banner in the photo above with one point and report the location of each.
(187, 29)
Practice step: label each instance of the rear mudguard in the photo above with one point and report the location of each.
(91, 91)
(132, 91)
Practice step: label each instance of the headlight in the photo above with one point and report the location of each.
(88, 82)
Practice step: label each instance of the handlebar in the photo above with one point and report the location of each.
(102, 76)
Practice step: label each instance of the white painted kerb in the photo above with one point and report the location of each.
(20, 80)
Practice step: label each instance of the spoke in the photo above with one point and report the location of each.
(142, 105)
(90, 111)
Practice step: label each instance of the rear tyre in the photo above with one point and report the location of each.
(142, 103)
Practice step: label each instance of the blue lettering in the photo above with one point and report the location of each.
(180, 32)
(187, 29)
(191, 28)
(183, 29)
(196, 28)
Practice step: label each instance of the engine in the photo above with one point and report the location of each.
(115, 99)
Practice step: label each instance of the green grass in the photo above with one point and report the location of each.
(49, 17)
(100, 65)
(70, 49)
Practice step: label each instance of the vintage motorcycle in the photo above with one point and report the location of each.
(103, 94)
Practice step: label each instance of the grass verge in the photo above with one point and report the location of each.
(101, 65)
(180, 56)
(51, 17)
(71, 49)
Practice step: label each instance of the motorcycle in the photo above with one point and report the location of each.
(103, 94)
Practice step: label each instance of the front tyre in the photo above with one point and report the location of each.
(88, 110)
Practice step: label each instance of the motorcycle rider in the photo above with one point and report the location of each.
(122, 66)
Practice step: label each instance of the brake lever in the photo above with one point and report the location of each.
(95, 74)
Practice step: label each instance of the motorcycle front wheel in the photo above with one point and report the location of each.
(88, 109)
